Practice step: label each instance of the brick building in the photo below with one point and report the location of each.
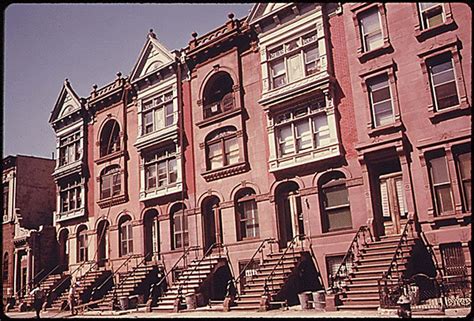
(276, 154)
(27, 227)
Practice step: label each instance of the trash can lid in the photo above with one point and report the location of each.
(403, 300)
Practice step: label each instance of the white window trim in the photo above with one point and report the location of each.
(432, 86)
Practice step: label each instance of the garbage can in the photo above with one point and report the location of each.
(190, 301)
(304, 298)
(200, 300)
(123, 302)
(132, 301)
(319, 299)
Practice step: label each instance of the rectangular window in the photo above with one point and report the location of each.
(285, 139)
(215, 155)
(337, 209)
(311, 60)
(303, 135)
(371, 29)
(295, 68)
(278, 73)
(431, 14)
(126, 239)
(443, 82)
(231, 148)
(381, 101)
(82, 245)
(180, 230)
(5, 201)
(110, 183)
(148, 122)
(70, 197)
(69, 149)
(441, 185)
(322, 135)
(248, 217)
(463, 161)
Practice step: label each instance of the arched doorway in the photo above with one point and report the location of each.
(102, 242)
(289, 212)
(212, 225)
(151, 233)
(64, 249)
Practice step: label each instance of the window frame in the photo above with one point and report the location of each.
(466, 202)
(72, 190)
(221, 139)
(373, 104)
(113, 176)
(248, 198)
(284, 54)
(154, 160)
(361, 8)
(82, 246)
(433, 186)
(125, 237)
(331, 182)
(430, 64)
(422, 33)
(116, 143)
(450, 47)
(183, 233)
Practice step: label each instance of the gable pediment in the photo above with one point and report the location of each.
(152, 57)
(67, 103)
(261, 10)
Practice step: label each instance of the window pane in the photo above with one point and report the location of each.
(322, 135)
(169, 115)
(339, 218)
(370, 21)
(159, 118)
(172, 170)
(383, 113)
(295, 70)
(286, 140)
(278, 73)
(374, 41)
(381, 94)
(439, 170)
(215, 155)
(303, 134)
(161, 174)
(446, 95)
(443, 76)
(443, 197)
(434, 19)
(150, 176)
(148, 122)
(336, 196)
(232, 151)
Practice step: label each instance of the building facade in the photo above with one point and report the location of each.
(305, 147)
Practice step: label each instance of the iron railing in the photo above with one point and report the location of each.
(398, 255)
(358, 242)
(234, 285)
(183, 258)
(270, 278)
(127, 276)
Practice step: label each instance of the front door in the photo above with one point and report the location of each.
(393, 203)
(290, 217)
(212, 223)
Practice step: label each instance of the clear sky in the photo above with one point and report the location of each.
(88, 44)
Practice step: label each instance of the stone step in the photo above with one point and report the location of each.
(357, 307)
(375, 300)
(384, 249)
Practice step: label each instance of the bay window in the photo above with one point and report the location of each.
(161, 169)
(294, 60)
(157, 113)
(302, 129)
(69, 149)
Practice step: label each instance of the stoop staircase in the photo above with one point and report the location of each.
(273, 275)
(191, 280)
(366, 263)
(83, 290)
(129, 284)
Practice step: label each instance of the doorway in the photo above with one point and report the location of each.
(212, 224)
(151, 234)
(64, 250)
(289, 212)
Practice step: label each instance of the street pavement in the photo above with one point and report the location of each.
(293, 312)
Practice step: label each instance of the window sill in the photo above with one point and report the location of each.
(386, 129)
(161, 192)
(365, 56)
(109, 157)
(111, 201)
(218, 117)
(340, 231)
(452, 112)
(441, 219)
(422, 35)
(226, 171)
(63, 216)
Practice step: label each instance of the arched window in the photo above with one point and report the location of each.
(222, 148)
(179, 226)
(125, 236)
(218, 95)
(110, 138)
(5, 268)
(246, 214)
(110, 182)
(334, 202)
(82, 244)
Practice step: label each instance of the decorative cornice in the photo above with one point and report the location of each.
(225, 172)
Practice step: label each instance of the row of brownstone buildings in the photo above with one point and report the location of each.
(307, 146)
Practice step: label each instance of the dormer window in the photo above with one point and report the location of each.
(218, 95)
(110, 138)
(296, 59)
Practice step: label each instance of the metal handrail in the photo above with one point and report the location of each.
(197, 265)
(398, 249)
(98, 287)
(272, 273)
(242, 273)
(70, 275)
(182, 257)
(128, 275)
(32, 281)
(350, 253)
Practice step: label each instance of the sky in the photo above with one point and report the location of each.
(88, 44)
